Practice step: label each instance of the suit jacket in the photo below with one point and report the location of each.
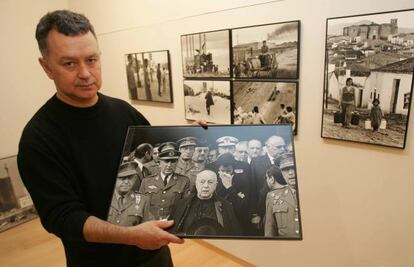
(163, 197)
(259, 167)
(224, 212)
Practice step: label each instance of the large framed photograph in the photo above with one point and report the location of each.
(232, 181)
(268, 51)
(368, 85)
(206, 54)
(265, 102)
(207, 100)
(149, 76)
(16, 205)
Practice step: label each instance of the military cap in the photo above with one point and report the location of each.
(127, 169)
(168, 150)
(285, 160)
(187, 141)
(227, 141)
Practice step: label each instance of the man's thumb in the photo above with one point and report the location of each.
(165, 224)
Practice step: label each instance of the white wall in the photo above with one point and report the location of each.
(356, 199)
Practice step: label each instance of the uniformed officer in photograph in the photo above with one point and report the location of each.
(142, 155)
(128, 208)
(287, 166)
(226, 144)
(281, 217)
(203, 212)
(186, 146)
(166, 187)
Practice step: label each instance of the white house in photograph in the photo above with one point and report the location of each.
(392, 84)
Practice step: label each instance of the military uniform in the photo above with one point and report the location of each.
(184, 167)
(163, 197)
(281, 217)
(133, 210)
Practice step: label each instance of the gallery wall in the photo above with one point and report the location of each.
(356, 199)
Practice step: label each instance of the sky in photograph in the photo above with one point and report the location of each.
(274, 33)
(217, 43)
(219, 86)
(405, 20)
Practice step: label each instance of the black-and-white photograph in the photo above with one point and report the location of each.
(16, 205)
(266, 51)
(208, 101)
(265, 102)
(206, 54)
(369, 67)
(149, 76)
(233, 181)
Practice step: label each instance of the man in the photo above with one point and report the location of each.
(281, 208)
(209, 100)
(159, 74)
(131, 71)
(147, 80)
(186, 146)
(234, 185)
(127, 207)
(264, 54)
(212, 155)
(254, 149)
(199, 160)
(287, 166)
(204, 213)
(154, 164)
(165, 188)
(226, 144)
(241, 153)
(142, 155)
(69, 154)
(275, 146)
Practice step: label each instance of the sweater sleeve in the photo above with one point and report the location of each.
(51, 186)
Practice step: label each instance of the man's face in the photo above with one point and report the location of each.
(167, 166)
(289, 175)
(125, 183)
(200, 154)
(212, 155)
(226, 149)
(73, 63)
(275, 146)
(206, 183)
(155, 154)
(269, 181)
(241, 153)
(186, 152)
(254, 148)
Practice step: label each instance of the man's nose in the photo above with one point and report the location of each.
(83, 71)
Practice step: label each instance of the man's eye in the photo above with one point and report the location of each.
(69, 64)
(92, 60)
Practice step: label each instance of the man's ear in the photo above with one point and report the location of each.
(45, 67)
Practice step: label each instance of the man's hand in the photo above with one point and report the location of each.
(203, 124)
(151, 235)
(226, 179)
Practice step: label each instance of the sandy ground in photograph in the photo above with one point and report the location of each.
(287, 63)
(195, 107)
(252, 94)
(393, 135)
(207, 74)
(165, 92)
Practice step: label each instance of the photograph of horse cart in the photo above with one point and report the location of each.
(266, 51)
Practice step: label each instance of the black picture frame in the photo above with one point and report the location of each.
(267, 51)
(276, 102)
(153, 83)
(16, 205)
(374, 52)
(206, 55)
(182, 197)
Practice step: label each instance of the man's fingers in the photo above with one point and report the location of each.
(164, 224)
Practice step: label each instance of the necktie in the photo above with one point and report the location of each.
(165, 180)
(120, 202)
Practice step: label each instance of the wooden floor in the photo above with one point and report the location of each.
(30, 245)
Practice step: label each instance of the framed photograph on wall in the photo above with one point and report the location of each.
(368, 83)
(268, 51)
(206, 54)
(149, 76)
(265, 102)
(16, 205)
(209, 182)
(207, 100)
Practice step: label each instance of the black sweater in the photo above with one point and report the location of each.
(68, 159)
